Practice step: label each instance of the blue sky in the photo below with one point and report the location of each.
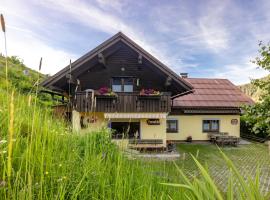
(213, 38)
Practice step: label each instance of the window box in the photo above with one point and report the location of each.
(157, 97)
(106, 93)
(149, 94)
(106, 96)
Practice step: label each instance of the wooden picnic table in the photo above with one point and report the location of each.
(213, 135)
(223, 138)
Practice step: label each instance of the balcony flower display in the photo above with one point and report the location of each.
(149, 92)
(106, 91)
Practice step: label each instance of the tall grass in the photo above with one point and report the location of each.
(49, 162)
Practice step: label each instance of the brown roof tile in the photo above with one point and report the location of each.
(212, 93)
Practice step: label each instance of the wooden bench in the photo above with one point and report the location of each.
(146, 143)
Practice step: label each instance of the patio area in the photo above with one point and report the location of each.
(246, 157)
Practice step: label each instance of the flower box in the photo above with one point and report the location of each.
(106, 96)
(106, 93)
(157, 97)
(149, 94)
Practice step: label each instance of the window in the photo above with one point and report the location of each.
(117, 85)
(172, 125)
(130, 130)
(211, 125)
(122, 84)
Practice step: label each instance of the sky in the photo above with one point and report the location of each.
(205, 38)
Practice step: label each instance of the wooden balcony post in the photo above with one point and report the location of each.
(76, 121)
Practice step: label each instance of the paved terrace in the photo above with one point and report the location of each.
(245, 157)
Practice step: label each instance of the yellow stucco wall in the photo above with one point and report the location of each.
(100, 121)
(191, 125)
(188, 125)
(153, 131)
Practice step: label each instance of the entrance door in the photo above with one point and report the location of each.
(126, 130)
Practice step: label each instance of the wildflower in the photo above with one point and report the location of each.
(3, 141)
(64, 177)
(46, 172)
(3, 152)
(59, 180)
(60, 165)
(3, 183)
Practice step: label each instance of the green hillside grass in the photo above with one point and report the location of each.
(19, 76)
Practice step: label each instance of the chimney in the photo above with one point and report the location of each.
(184, 75)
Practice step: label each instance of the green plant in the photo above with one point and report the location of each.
(149, 92)
(258, 115)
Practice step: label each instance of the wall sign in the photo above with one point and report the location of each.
(234, 121)
(153, 122)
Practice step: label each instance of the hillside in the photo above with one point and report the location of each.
(20, 77)
(252, 90)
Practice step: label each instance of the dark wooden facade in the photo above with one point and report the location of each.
(118, 57)
(123, 102)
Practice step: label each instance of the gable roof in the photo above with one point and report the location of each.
(111, 41)
(212, 93)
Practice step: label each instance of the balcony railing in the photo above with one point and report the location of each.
(123, 102)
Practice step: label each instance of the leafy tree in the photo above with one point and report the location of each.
(257, 117)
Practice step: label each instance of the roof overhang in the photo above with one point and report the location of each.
(206, 110)
(135, 115)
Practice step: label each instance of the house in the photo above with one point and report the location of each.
(120, 85)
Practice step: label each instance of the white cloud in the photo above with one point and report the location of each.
(240, 73)
(95, 18)
(30, 49)
(22, 41)
(116, 5)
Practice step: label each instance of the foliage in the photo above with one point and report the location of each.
(106, 91)
(22, 78)
(258, 116)
(253, 90)
(149, 92)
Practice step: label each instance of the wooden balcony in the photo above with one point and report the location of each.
(124, 102)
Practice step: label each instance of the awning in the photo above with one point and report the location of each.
(135, 115)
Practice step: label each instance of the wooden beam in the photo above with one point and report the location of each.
(101, 59)
(140, 59)
(71, 79)
(168, 81)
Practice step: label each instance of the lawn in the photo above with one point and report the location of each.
(245, 157)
